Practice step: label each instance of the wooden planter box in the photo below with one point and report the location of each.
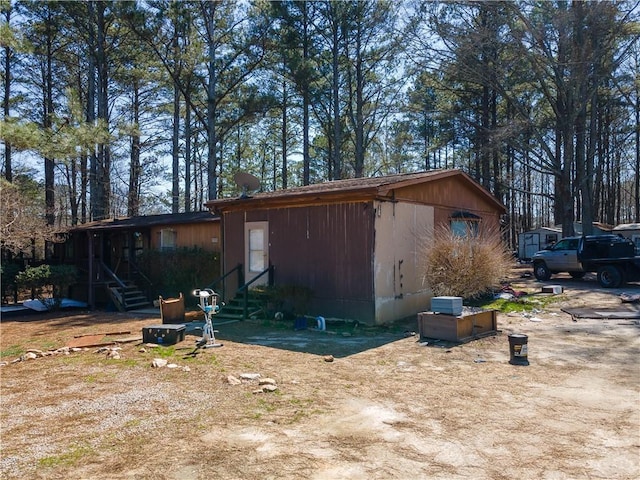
(460, 328)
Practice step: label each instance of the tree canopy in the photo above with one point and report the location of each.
(128, 108)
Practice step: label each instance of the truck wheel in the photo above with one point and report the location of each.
(577, 275)
(610, 276)
(541, 271)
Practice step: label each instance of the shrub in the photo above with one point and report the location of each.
(465, 266)
(9, 271)
(291, 300)
(59, 277)
(182, 270)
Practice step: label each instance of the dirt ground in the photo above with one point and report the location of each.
(387, 407)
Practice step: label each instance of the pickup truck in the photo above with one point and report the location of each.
(610, 256)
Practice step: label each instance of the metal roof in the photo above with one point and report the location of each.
(353, 188)
(145, 221)
(627, 226)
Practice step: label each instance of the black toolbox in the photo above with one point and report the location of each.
(163, 334)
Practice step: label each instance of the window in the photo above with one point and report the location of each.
(168, 239)
(138, 244)
(550, 238)
(465, 224)
(256, 250)
(567, 244)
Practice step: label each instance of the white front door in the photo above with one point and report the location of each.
(256, 255)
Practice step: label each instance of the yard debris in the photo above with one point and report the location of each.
(629, 298)
(159, 363)
(34, 353)
(106, 334)
(508, 293)
(532, 313)
(553, 289)
(112, 353)
(328, 358)
(97, 339)
(265, 389)
(108, 349)
(266, 384)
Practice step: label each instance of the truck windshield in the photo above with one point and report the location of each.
(566, 244)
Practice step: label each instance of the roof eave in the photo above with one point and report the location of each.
(294, 200)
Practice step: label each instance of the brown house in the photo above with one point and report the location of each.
(355, 243)
(105, 251)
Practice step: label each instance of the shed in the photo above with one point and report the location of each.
(356, 244)
(532, 241)
(630, 231)
(535, 240)
(105, 251)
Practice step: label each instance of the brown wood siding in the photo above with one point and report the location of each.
(443, 217)
(193, 235)
(233, 241)
(450, 192)
(326, 248)
(449, 195)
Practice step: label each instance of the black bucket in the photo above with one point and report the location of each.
(518, 349)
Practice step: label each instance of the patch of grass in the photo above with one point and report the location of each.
(523, 304)
(266, 406)
(215, 361)
(12, 351)
(165, 352)
(297, 416)
(49, 344)
(132, 423)
(79, 358)
(67, 459)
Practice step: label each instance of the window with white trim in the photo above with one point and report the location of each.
(168, 239)
(465, 224)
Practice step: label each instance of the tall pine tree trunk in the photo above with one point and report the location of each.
(175, 152)
(212, 160)
(135, 172)
(187, 150)
(6, 101)
(102, 205)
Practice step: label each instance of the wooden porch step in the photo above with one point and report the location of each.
(127, 298)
